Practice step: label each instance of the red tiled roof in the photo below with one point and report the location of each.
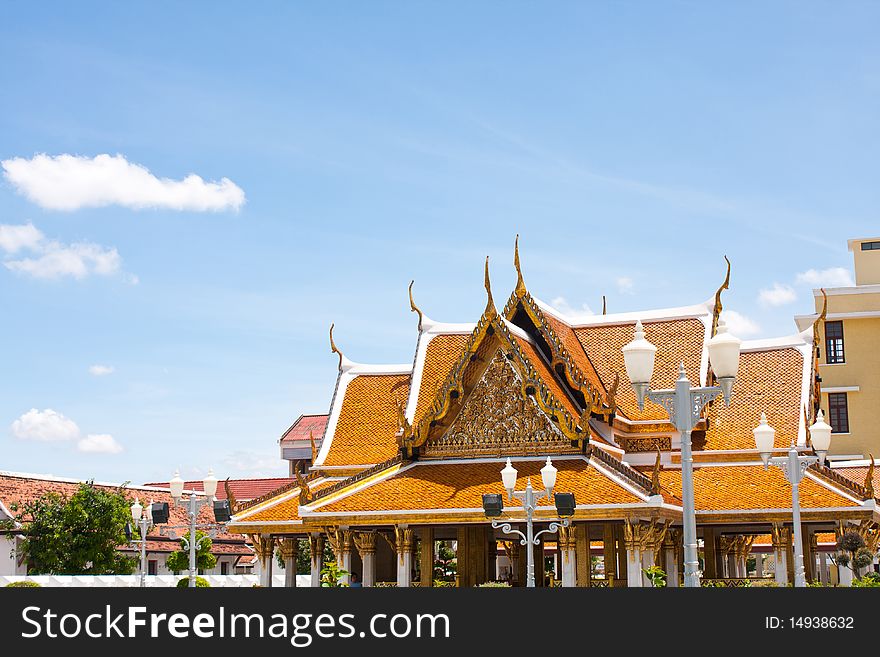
(299, 430)
(17, 488)
(242, 489)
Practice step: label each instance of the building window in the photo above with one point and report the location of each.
(870, 246)
(834, 342)
(224, 567)
(838, 415)
(152, 567)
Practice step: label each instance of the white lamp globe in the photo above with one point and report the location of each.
(176, 485)
(820, 435)
(508, 476)
(638, 356)
(548, 475)
(136, 510)
(764, 438)
(210, 483)
(724, 353)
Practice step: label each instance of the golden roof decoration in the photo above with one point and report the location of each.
(334, 349)
(490, 302)
(716, 312)
(604, 306)
(869, 477)
(655, 477)
(816, 386)
(412, 305)
(305, 493)
(520, 283)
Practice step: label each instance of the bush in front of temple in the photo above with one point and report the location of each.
(24, 584)
(201, 583)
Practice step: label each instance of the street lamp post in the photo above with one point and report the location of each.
(192, 506)
(794, 466)
(684, 404)
(493, 505)
(143, 521)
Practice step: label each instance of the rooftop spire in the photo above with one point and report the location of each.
(412, 305)
(520, 283)
(333, 348)
(716, 313)
(490, 303)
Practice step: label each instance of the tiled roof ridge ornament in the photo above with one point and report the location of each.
(233, 503)
(816, 383)
(655, 476)
(490, 302)
(716, 311)
(869, 477)
(604, 306)
(344, 363)
(305, 493)
(312, 445)
(520, 290)
(413, 307)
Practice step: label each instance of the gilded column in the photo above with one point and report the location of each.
(583, 558)
(710, 558)
(344, 556)
(609, 553)
(632, 535)
(427, 556)
(289, 548)
(316, 552)
(403, 543)
(567, 556)
(264, 546)
(779, 538)
(365, 542)
(671, 547)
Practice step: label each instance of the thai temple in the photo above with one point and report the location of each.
(398, 468)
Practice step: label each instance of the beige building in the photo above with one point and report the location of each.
(849, 354)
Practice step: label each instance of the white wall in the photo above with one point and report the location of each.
(9, 557)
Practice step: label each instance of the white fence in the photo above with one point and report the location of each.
(127, 581)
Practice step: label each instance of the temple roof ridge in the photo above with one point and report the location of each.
(659, 314)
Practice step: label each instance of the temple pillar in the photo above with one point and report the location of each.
(823, 568)
(316, 552)
(289, 548)
(620, 553)
(403, 543)
(633, 543)
(671, 546)
(808, 539)
(426, 556)
(609, 552)
(343, 559)
(264, 546)
(582, 554)
(365, 542)
(566, 556)
(710, 558)
(780, 552)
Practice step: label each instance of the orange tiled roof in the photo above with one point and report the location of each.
(735, 487)
(769, 382)
(575, 350)
(442, 353)
(547, 376)
(367, 426)
(285, 509)
(859, 474)
(677, 340)
(460, 485)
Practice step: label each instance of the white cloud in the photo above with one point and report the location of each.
(50, 259)
(15, 238)
(739, 325)
(46, 425)
(99, 443)
(101, 370)
(778, 295)
(831, 277)
(561, 304)
(625, 285)
(77, 260)
(252, 463)
(71, 182)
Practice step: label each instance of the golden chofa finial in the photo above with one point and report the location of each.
(604, 306)
(412, 305)
(333, 348)
(824, 313)
(869, 477)
(716, 313)
(490, 303)
(520, 290)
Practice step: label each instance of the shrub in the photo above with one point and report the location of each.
(201, 583)
(493, 585)
(657, 576)
(24, 584)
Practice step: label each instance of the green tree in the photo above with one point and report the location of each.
(179, 561)
(76, 535)
(332, 574)
(853, 553)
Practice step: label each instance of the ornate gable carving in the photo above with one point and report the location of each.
(499, 418)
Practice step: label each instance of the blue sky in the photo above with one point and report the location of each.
(631, 144)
